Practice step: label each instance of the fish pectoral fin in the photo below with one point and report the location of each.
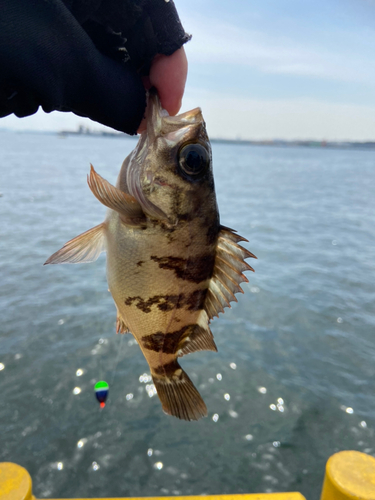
(199, 339)
(84, 248)
(228, 272)
(126, 205)
(177, 393)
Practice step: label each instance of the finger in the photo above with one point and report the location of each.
(168, 74)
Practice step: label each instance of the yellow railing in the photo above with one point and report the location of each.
(350, 475)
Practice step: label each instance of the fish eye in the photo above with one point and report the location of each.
(194, 159)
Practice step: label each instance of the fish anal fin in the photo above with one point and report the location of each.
(126, 205)
(228, 271)
(177, 393)
(198, 339)
(121, 327)
(84, 248)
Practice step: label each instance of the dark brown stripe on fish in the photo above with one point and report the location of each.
(168, 343)
(193, 301)
(163, 302)
(166, 370)
(212, 230)
(197, 269)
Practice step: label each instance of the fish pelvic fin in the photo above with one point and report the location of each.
(84, 248)
(126, 205)
(177, 393)
(228, 272)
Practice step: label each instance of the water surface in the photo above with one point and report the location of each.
(293, 381)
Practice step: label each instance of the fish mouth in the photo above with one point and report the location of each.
(159, 123)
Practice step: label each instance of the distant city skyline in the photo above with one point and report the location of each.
(271, 69)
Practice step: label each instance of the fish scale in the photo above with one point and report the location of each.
(145, 279)
(142, 300)
(171, 266)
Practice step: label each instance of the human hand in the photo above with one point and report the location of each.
(50, 60)
(168, 75)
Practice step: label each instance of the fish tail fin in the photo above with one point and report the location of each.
(177, 393)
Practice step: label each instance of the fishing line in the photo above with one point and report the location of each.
(118, 358)
(101, 387)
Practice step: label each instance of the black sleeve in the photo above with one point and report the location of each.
(83, 56)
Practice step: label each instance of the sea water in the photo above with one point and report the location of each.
(293, 381)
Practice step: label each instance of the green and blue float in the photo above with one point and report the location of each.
(101, 392)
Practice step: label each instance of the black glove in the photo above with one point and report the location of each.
(68, 56)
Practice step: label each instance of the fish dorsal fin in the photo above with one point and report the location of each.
(228, 272)
(84, 248)
(126, 205)
(199, 338)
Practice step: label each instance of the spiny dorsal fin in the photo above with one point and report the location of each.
(126, 205)
(84, 248)
(228, 272)
(199, 338)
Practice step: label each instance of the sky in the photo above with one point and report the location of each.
(271, 69)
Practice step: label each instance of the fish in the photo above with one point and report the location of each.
(171, 266)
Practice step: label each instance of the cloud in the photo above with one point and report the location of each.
(231, 117)
(221, 43)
